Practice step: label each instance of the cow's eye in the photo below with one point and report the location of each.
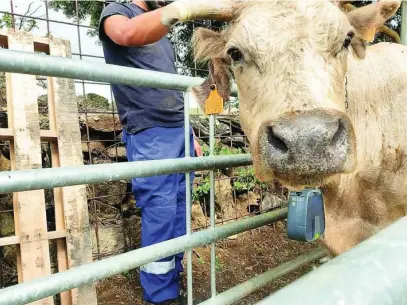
(348, 39)
(235, 54)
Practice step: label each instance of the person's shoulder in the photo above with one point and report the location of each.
(116, 8)
(126, 9)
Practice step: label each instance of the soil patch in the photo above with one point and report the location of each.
(238, 260)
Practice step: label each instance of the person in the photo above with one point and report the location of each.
(133, 35)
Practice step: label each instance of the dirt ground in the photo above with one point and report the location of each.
(238, 260)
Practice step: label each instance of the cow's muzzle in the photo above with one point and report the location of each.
(308, 144)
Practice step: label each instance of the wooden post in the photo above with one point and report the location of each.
(32, 226)
(73, 231)
(79, 238)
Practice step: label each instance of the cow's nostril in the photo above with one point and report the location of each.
(275, 141)
(340, 134)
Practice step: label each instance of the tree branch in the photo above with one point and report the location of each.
(22, 19)
(28, 13)
(28, 9)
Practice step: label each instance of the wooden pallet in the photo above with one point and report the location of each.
(73, 232)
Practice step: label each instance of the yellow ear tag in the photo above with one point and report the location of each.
(214, 102)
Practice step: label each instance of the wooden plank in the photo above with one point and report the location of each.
(10, 120)
(7, 134)
(62, 253)
(34, 248)
(62, 256)
(15, 240)
(48, 136)
(8, 241)
(79, 239)
(56, 234)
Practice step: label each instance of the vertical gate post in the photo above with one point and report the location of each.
(188, 196)
(212, 203)
(213, 106)
(403, 33)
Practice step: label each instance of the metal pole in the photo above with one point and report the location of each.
(403, 32)
(40, 288)
(240, 291)
(47, 18)
(212, 203)
(13, 21)
(47, 178)
(188, 198)
(372, 273)
(47, 65)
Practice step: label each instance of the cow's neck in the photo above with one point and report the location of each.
(377, 190)
(377, 93)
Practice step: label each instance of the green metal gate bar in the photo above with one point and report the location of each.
(240, 291)
(46, 65)
(45, 178)
(403, 30)
(27, 292)
(372, 273)
(14, 181)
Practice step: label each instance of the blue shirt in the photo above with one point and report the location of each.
(142, 107)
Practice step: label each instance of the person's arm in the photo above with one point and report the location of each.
(137, 31)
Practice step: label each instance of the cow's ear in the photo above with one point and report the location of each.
(218, 75)
(359, 46)
(366, 21)
(209, 46)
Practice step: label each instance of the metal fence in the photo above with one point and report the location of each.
(20, 62)
(114, 207)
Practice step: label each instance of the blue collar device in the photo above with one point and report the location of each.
(306, 215)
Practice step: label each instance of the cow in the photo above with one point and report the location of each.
(320, 105)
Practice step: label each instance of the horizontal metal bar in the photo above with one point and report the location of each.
(48, 178)
(374, 272)
(47, 65)
(240, 291)
(38, 289)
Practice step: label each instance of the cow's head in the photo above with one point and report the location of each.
(289, 61)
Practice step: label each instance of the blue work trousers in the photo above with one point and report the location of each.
(162, 200)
